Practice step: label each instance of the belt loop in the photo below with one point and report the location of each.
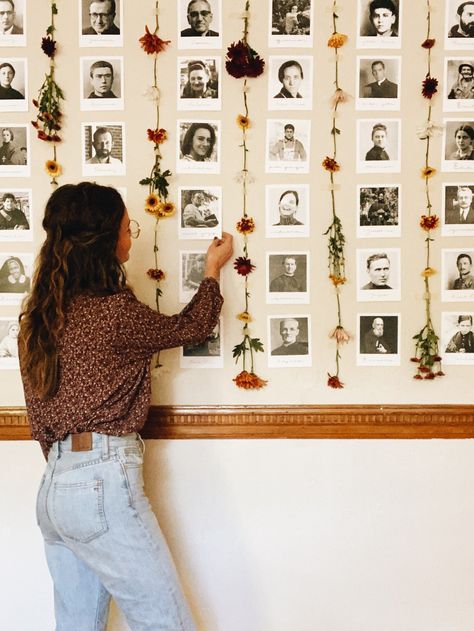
(105, 446)
(142, 442)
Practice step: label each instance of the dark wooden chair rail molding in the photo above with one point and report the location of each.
(294, 421)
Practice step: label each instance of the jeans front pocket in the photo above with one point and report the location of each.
(78, 510)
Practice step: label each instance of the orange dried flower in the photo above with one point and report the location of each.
(429, 222)
(334, 382)
(151, 43)
(246, 225)
(158, 136)
(243, 121)
(156, 274)
(337, 40)
(249, 381)
(330, 164)
(428, 172)
(337, 280)
(340, 335)
(428, 271)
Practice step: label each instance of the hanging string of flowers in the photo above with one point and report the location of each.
(335, 232)
(156, 202)
(426, 355)
(243, 62)
(48, 119)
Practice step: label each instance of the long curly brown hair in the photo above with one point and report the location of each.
(82, 223)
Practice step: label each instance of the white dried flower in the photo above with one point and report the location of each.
(153, 94)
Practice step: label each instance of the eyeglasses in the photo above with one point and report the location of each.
(6, 13)
(96, 16)
(134, 229)
(196, 14)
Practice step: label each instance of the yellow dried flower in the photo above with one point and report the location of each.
(53, 168)
(244, 317)
(337, 40)
(428, 271)
(243, 121)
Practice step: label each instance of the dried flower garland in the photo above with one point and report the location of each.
(335, 233)
(426, 355)
(243, 62)
(48, 120)
(156, 202)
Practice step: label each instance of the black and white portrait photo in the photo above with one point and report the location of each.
(379, 24)
(379, 213)
(457, 274)
(9, 330)
(198, 150)
(458, 145)
(287, 146)
(103, 148)
(198, 83)
(101, 23)
(191, 272)
(459, 25)
(15, 276)
(290, 24)
(458, 209)
(200, 211)
(378, 274)
(379, 83)
(378, 339)
(15, 215)
(101, 81)
(290, 83)
(378, 145)
(14, 150)
(207, 354)
(12, 23)
(458, 84)
(13, 85)
(288, 277)
(199, 24)
(457, 338)
(287, 210)
(289, 341)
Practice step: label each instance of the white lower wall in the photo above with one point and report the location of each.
(283, 535)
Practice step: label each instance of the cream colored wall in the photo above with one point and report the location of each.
(279, 535)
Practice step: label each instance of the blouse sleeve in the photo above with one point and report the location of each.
(142, 331)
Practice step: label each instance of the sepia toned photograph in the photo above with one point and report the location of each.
(198, 83)
(457, 274)
(290, 83)
(289, 341)
(379, 24)
(9, 330)
(458, 210)
(14, 150)
(290, 24)
(13, 85)
(15, 215)
(378, 145)
(379, 83)
(288, 277)
(288, 146)
(198, 148)
(101, 81)
(199, 24)
(207, 354)
(191, 272)
(457, 338)
(459, 25)
(200, 211)
(103, 148)
(15, 277)
(378, 274)
(287, 210)
(378, 336)
(379, 212)
(100, 23)
(458, 84)
(458, 145)
(12, 23)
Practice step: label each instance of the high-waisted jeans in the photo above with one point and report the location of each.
(102, 539)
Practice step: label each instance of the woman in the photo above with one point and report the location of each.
(197, 85)
(7, 74)
(290, 75)
(13, 279)
(379, 138)
(288, 207)
(464, 135)
(9, 152)
(85, 347)
(198, 142)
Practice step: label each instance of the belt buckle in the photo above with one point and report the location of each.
(81, 442)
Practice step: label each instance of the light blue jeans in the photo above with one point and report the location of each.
(102, 539)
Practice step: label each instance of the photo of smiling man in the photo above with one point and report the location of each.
(199, 24)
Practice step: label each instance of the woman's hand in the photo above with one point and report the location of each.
(218, 253)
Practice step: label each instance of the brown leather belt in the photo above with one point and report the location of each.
(81, 442)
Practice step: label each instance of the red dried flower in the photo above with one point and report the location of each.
(243, 265)
(424, 369)
(249, 381)
(158, 136)
(415, 359)
(428, 43)
(48, 46)
(152, 44)
(440, 373)
(330, 164)
(334, 382)
(246, 225)
(156, 274)
(429, 87)
(417, 376)
(430, 375)
(437, 358)
(243, 61)
(429, 222)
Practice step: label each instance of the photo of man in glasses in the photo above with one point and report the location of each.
(199, 15)
(102, 15)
